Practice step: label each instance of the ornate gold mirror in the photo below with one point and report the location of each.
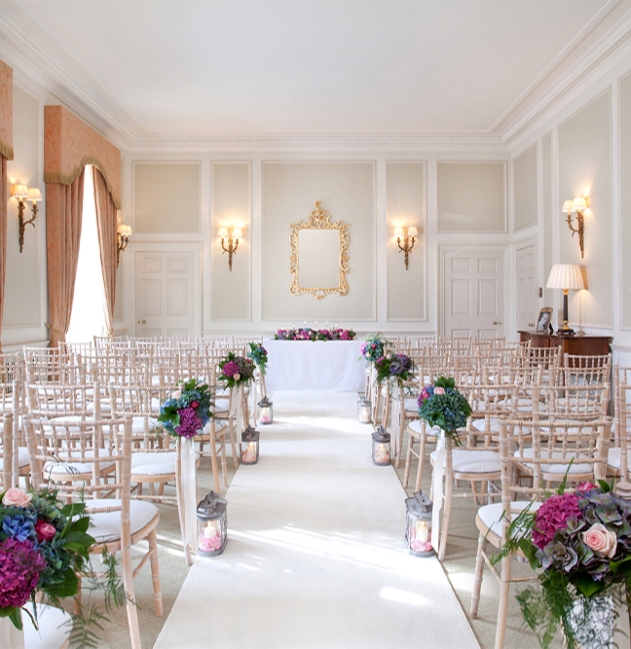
(319, 255)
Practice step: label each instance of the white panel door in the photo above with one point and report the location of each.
(164, 296)
(527, 289)
(473, 302)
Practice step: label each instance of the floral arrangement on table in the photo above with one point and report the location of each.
(306, 333)
(258, 354)
(397, 366)
(441, 404)
(44, 544)
(236, 370)
(373, 347)
(187, 410)
(581, 545)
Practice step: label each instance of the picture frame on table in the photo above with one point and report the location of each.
(544, 321)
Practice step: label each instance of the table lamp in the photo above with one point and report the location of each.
(566, 277)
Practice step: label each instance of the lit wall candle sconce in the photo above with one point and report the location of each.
(123, 232)
(408, 241)
(578, 205)
(22, 193)
(233, 242)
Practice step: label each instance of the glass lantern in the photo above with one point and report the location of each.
(212, 525)
(363, 411)
(381, 447)
(418, 533)
(250, 446)
(266, 411)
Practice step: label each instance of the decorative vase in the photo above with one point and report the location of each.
(608, 626)
(10, 636)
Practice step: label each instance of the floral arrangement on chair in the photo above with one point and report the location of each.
(580, 544)
(43, 545)
(236, 370)
(305, 333)
(187, 411)
(397, 366)
(258, 354)
(373, 348)
(441, 404)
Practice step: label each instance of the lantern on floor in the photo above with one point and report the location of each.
(212, 525)
(266, 411)
(381, 447)
(418, 533)
(363, 411)
(250, 446)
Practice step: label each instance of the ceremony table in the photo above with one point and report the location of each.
(331, 365)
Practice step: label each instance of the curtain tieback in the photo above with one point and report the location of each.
(49, 326)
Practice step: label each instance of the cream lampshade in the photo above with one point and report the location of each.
(565, 277)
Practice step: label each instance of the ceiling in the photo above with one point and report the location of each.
(202, 68)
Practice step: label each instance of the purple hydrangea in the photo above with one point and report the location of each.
(553, 516)
(20, 568)
(230, 369)
(189, 423)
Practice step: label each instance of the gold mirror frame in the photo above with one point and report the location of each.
(319, 219)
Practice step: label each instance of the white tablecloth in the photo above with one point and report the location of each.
(330, 365)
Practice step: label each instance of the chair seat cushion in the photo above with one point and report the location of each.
(23, 458)
(574, 468)
(491, 515)
(138, 425)
(480, 424)
(613, 458)
(149, 464)
(106, 527)
(63, 467)
(470, 461)
(416, 425)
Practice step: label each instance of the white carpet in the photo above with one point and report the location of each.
(316, 555)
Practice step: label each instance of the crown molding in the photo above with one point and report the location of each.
(270, 143)
(592, 66)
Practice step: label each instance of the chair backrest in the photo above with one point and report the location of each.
(83, 461)
(622, 413)
(54, 400)
(550, 449)
(7, 451)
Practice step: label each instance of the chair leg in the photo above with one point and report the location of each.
(502, 612)
(155, 573)
(408, 461)
(444, 530)
(235, 458)
(213, 457)
(421, 459)
(477, 579)
(132, 611)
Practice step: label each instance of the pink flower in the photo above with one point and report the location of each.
(189, 423)
(236, 376)
(230, 369)
(585, 486)
(15, 497)
(552, 516)
(45, 531)
(344, 335)
(194, 404)
(601, 540)
(439, 390)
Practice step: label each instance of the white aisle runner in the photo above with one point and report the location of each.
(316, 555)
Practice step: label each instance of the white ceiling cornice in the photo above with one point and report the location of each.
(320, 143)
(25, 45)
(594, 64)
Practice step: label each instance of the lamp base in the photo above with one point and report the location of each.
(565, 331)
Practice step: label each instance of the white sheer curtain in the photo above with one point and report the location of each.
(89, 306)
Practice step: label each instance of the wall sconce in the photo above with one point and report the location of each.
(565, 276)
(578, 205)
(233, 242)
(408, 241)
(22, 193)
(123, 232)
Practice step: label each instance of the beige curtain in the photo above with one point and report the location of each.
(4, 200)
(64, 208)
(106, 224)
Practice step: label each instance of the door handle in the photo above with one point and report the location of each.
(142, 322)
(496, 322)
(531, 324)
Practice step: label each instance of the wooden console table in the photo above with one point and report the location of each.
(575, 345)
